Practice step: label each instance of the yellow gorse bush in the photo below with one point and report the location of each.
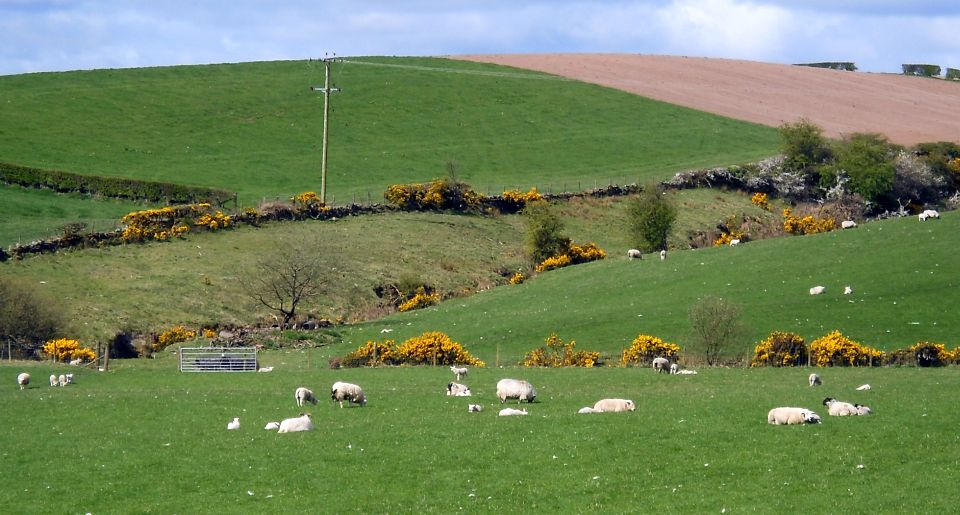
(420, 299)
(761, 200)
(517, 278)
(554, 262)
(806, 225)
(170, 222)
(438, 194)
(835, 349)
(175, 334)
(556, 354)
(306, 198)
(780, 349)
(515, 200)
(574, 255)
(644, 348)
(372, 354)
(434, 347)
(66, 349)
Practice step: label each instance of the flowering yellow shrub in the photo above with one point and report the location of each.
(761, 200)
(806, 225)
(213, 221)
(836, 349)
(438, 194)
(644, 348)
(66, 349)
(306, 198)
(175, 334)
(170, 222)
(726, 237)
(420, 299)
(209, 333)
(559, 354)
(923, 354)
(954, 165)
(515, 200)
(574, 255)
(517, 278)
(554, 262)
(372, 354)
(435, 348)
(780, 349)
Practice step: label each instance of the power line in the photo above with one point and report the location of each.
(326, 90)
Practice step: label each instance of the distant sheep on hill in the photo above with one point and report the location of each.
(929, 213)
(817, 290)
(634, 254)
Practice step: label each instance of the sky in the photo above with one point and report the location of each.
(877, 35)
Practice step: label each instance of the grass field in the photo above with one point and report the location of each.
(145, 438)
(255, 128)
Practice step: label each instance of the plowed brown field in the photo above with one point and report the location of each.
(906, 109)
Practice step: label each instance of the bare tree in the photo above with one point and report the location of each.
(717, 328)
(291, 274)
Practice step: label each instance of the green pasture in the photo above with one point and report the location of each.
(145, 438)
(255, 128)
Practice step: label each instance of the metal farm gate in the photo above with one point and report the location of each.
(218, 359)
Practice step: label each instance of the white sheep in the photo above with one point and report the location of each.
(661, 364)
(663, 255)
(586, 409)
(272, 426)
(293, 425)
(459, 371)
(76, 361)
(506, 412)
(792, 416)
(674, 368)
(817, 290)
(734, 242)
(814, 380)
(62, 380)
(847, 290)
(474, 408)
(265, 369)
(515, 389)
(634, 254)
(349, 392)
(23, 380)
(837, 408)
(863, 387)
(863, 410)
(928, 213)
(686, 372)
(848, 224)
(458, 390)
(304, 395)
(614, 405)
(53, 380)
(233, 424)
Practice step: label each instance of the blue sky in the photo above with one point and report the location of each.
(879, 35)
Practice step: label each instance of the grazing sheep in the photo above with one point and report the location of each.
(474, 408)
(661, 364)
(928, 213)
(293, 425)
(663, 255)
(614, 405)
(863, 388)
(351, 393)
(814, 380)
(506, 412)
(863, 410)
(515, 389)
(634, 254)
(459, 371)
(848, 224)
(817, 290)
(304, 395)
(53, 380)
(272, 426)
(674, 368)
(792, 416)
(458, 390)
(586, 409)
(734, 242)
(233, 424)
(62, 380)
(847, 290)
(23, 380)
(837, 408)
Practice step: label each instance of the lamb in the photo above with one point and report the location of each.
(847, 290)
(304, 395)
(233, 424)
(848, 224)
(515, 389)
(734, 242)
(458, 390)
(634, 254)
(586, 409)
(351, 393)
(674, 368)
(614, 405)
(62, 380)
(686, 372)
(817, 290)
(23, 380)
(792, 416)
(53, 380)
(863, 387)
(293, 425)
(76, 362)
(814, 380)
(506, 412)
(272, 426)
(459, 371)
(863, 410)
(663, 255)
(837, 408)
(661, 364)
(474, 408)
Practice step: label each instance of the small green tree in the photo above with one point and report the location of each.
(27, 317)
(650, 216)
(717, 329)
(543, 236)
(868, 160)
(804, 147)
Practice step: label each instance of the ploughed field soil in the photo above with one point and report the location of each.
(906, 109)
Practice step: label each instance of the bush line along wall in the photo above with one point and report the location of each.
(132, 189)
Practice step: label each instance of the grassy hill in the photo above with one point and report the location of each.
(255, 128)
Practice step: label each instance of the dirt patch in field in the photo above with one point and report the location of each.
(906, 109)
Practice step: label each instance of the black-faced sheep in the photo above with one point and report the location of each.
(303, 396)
(474, 408)
(506, 412)
(515, 389)
(661, 364)
(351, 393)
(293, 425)
(458, 390)
(614, 405)
(814, 380)
(23, 380)
(837, 408)
(792, 416)
(459, 371)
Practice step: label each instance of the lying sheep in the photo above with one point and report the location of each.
(614, 405)
(458, 390)
(661, 364)
(459, 371)
(634, 254)
(848, 224)
(847, 290)
(863, 388)
(863, 410)
(817, 290)
(686, 372)
(23, 380)
(351, 393)
(272, 426)
(233, 424)
(293, 425)
(837, 408)
(53, 380)
(265, 369)
(792, 416)
(586, 409)
(474, 408)
(76, 362)
(814, 380)
(304, 395)
(515, 389)
(506, 412)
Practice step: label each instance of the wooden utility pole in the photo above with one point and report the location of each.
(326, 90)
